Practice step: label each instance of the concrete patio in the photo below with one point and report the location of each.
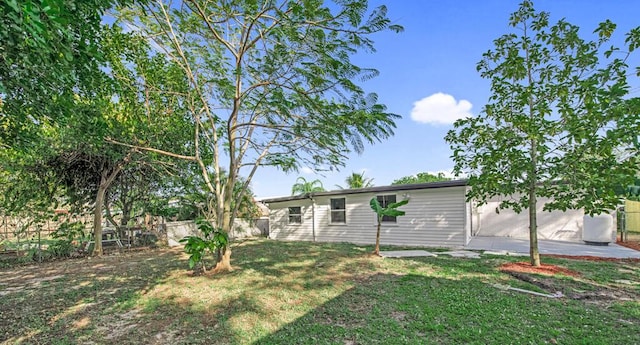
(512, 246)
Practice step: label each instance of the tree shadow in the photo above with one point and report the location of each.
(289, 293)
(416, 309)
(61, 302)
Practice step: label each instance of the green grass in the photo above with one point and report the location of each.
(304, 293)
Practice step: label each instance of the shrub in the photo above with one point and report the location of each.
(196, 247)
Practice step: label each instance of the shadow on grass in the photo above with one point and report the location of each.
(291, 293)
(74, 301)
(425, 300)
(414, 309)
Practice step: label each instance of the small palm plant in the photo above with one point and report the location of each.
(391, 210)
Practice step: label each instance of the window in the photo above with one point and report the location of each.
(295, 215)
(384, 201)
(338, 211)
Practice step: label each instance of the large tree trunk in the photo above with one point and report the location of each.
(226, 222)
(534, 254)
(97, 216)
(106, 179)
(533, 229)
(224, 260)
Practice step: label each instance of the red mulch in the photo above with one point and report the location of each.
(591, 258)
(630, 244)
(546, 269)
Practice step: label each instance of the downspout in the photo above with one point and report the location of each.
(313, 217)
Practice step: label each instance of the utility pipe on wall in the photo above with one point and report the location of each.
(313, 217)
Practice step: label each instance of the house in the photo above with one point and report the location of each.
(436, 215)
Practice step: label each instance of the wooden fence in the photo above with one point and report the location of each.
(21, 233)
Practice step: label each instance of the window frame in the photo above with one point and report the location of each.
(383, 201)
(290, 215)
(343, 210)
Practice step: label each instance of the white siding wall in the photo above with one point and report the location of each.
(434, 217)
(556, 225)
(279, 227)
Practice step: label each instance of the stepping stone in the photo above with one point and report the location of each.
(462, 254)
(504, 252)
(406, 254)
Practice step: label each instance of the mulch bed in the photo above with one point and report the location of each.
(591, 258)
(550, 270)
(630, 244)
(545, 269)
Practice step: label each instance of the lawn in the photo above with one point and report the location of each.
(305, 293)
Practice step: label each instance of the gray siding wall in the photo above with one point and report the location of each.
(279, 227)
(434, 217)
(556, 225)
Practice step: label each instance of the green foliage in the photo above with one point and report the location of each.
(391, 210)
(558, 114)
(632, 191)
(302, 186)
(422, 177)
(69, 231)
(197, 247)
(269, 84)
(50, 53)
(61, 248)
(356, 180)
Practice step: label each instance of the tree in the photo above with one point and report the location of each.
(50, 53)
(553, 123)
(356, 180)
(271, 84)
(422, 177)
(73, 151)
(302, 186)
(390, 210)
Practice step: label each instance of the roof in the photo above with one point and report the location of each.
(380, 189)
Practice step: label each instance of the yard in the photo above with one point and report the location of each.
(305, 293)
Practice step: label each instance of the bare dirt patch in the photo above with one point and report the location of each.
(547, 280)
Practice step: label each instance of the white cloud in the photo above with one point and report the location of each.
(307, 170)
(440, 108)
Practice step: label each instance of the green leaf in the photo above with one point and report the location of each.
(398, 204)
(375, 205)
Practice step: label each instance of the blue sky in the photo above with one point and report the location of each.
(430, 70)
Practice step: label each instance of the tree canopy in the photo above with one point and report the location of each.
(270, 84)
(423, 177)
(558, 111)
(50, 54)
